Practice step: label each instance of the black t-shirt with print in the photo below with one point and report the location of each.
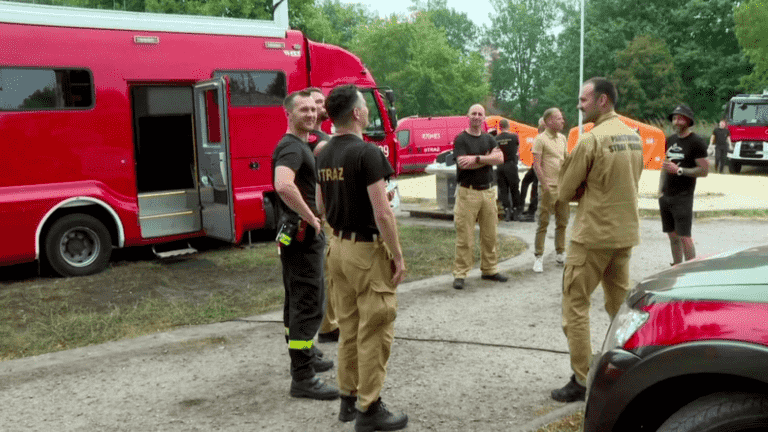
(683, 152)
(346, 166)
(721, 137)
(508, 143)
(466, 144)
(295, 154)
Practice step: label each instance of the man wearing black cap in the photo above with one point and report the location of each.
(686, 159)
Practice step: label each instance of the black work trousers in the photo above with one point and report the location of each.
(509, 182)
(304, 299)
(721, 158)
(530, 179)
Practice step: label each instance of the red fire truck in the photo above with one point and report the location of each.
(124, 129)
(747, 117)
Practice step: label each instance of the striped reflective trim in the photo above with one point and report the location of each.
(299, 345)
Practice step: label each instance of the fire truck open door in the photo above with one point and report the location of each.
(213, 158)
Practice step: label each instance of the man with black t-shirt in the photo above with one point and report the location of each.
(476, 152)
(365, 260)
(301, 244)
(507, 172)
(318, 138)
(686, 159)
(721, 139)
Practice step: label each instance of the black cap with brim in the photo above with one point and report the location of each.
(683, 110)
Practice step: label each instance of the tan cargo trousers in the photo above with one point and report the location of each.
(584, 270)
(473, 206)
(329, 323)
(365, 302)
(549, 205)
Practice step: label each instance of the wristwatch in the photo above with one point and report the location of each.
(477, 159)
(679, 171)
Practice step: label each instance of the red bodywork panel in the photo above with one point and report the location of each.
(748, 133)
(689, 321)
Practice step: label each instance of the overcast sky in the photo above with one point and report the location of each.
(477, 10)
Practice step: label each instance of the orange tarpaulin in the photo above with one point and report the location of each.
(525, 134)
(653, 141)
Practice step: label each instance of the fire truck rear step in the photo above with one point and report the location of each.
(173, 253)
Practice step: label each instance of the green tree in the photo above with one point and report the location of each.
(646, 79)
(336, 23)
(429, 77)
(460, 32)
(750, 18)
(520, 38)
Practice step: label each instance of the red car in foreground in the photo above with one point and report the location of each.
(688, 351)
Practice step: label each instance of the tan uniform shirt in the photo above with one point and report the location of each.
(606, 163)
(552, 149)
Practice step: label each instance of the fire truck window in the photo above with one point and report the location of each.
(213, 119)
(404, 136)
(27, 89)
(255, 88)
(375, 124)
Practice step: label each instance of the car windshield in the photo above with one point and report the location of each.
(750, 114)
(375, 129)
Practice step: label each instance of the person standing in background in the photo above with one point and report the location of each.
(721, 139)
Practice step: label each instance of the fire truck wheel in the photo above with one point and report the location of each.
(725, 411)
(78, 245)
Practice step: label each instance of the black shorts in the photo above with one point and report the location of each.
(676, 214)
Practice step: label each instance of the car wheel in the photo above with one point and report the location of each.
(78, 245)
(730, 412)
(735, 167)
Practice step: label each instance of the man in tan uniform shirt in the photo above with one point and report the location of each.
(549, 151)
(601, 174)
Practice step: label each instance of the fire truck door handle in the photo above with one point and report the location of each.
(253, 165)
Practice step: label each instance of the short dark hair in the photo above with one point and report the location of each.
(340, 103)
(503, 124)
(603, 86)
(288, 101)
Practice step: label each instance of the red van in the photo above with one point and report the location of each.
(421, 139)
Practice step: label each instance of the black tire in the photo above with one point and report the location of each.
(735, 167)
(78, 245)
(720, 412)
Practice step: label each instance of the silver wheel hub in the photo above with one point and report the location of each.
(80, 246)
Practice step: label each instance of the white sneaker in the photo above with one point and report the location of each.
(538, 265)
(560, 258)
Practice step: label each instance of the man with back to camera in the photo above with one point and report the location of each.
(549, 152)
(602, 175)
(685, 160)
(365, 260)
(508, 179)
(530, 179)
(721, 139)
(476, 152)
(301, 245)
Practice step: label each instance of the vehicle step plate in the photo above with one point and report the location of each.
(178, 252)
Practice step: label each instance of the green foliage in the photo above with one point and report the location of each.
(646, 78)
(520, 38)
(461, 33)
(751, 17)
(336, 23)
(414, 58)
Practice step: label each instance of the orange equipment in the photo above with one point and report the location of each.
(525, 133)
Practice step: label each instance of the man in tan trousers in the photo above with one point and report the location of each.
(601, 175)
(365, 260)
(476, 152)
(549, 151)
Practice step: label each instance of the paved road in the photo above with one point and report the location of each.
(481, 359)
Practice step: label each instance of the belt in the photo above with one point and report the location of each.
(477, 188)
(355, 236)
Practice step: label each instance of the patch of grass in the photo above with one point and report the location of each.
(134, 298)
(572, 423)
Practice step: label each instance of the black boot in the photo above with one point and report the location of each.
(378, 418)
(313, 388)
(508, 215)
(319, 364)
(571, 392)
(347, 412)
